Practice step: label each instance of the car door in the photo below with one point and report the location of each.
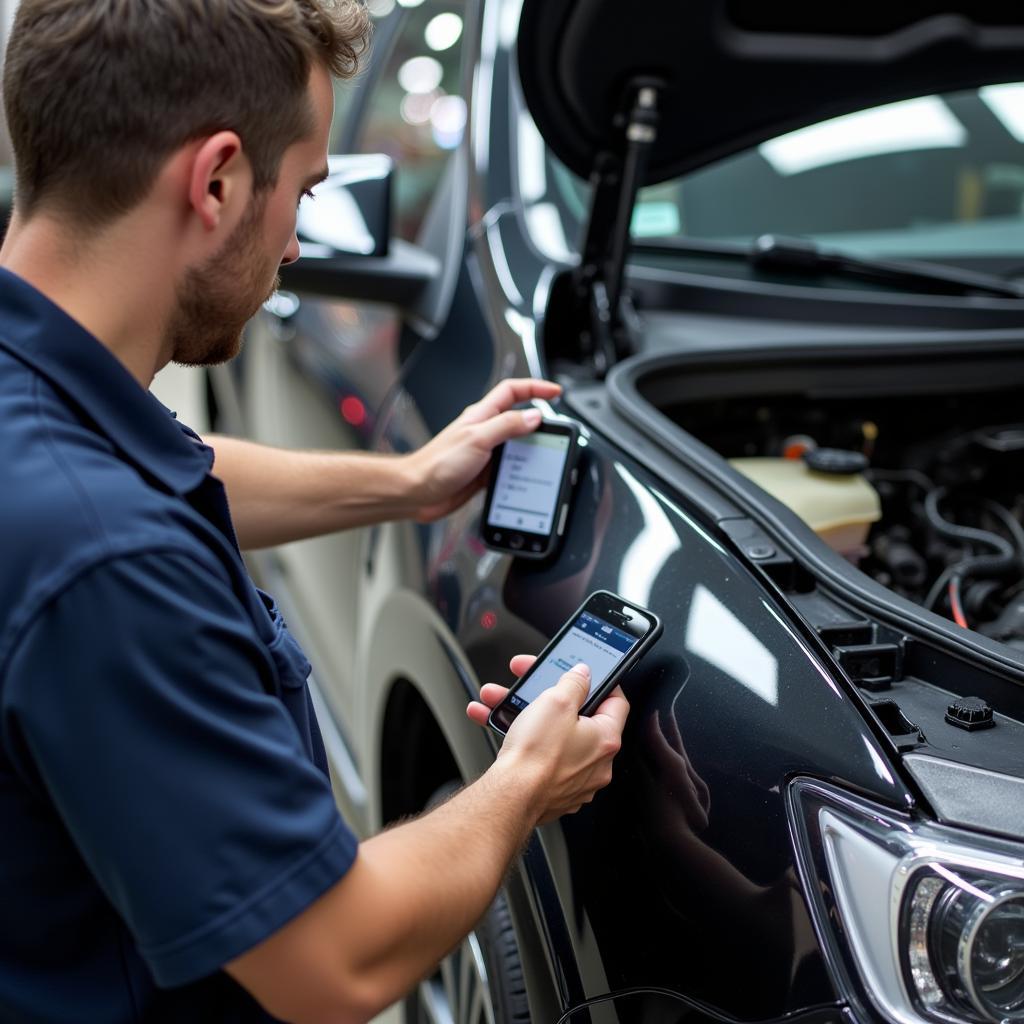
(318, 370)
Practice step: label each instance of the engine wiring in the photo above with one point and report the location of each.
(944, 540)
(947, 469)
(954, 603)
(972, 566)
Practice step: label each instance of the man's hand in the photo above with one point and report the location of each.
(448, 470)
(415, 890)
(550, 741)
(313, 493)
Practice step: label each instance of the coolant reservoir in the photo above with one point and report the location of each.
(839, 508)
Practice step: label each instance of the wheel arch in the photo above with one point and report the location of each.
(415, 759)
(422, 683)
(421, 736)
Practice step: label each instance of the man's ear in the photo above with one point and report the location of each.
(220, 180)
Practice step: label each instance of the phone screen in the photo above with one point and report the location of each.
(528, 483)
(589, 639)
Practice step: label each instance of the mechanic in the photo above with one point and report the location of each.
(171, 848)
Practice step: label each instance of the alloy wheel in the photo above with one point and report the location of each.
(458, 991)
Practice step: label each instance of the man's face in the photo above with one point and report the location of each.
(217, 299)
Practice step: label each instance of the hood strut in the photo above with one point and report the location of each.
(604, 311)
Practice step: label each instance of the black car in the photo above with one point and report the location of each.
(775, 254)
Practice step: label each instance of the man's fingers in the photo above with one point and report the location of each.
(615, 708)
(508, 393)
(576, 684)
(478, 712)
(492, 694)
(520, 663)
(499, 429)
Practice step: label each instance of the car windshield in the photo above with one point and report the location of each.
(938, 177)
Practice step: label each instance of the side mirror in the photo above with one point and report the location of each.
(345, 237)
(352, 211)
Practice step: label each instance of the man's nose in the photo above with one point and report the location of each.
(291, 254)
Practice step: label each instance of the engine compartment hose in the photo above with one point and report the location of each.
(1004, 560)
(966, 534)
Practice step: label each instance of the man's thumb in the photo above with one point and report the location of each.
(577, 679)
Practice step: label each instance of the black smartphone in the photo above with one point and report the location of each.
(532, 478)
(607, 632)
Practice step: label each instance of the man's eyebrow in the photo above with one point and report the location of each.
(317, 178)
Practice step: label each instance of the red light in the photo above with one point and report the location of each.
(488, 620)
(353, 411)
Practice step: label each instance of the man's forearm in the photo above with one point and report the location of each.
(278, 496)
(411, 895)
(440, 874)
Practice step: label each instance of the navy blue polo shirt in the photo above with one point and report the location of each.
(164, 798)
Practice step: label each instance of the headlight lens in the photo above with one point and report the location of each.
(997, 956)
(930, 920)
(964, 938)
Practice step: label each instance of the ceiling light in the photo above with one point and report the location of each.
(923, 123)
(420, 74)
(1007, 103)
(443, 31)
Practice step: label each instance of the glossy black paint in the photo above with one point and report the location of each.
(681, 873)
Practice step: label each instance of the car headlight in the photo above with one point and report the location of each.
(925, 922)
(964, 938)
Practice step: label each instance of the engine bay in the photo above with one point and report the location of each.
(947, 469)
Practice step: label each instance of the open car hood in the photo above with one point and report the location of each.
(732, 73)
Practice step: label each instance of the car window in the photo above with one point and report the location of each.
(414, 112)
(939, 176)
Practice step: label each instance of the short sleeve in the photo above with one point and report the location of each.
(143, 706)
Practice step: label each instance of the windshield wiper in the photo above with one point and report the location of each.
(777, 252)
(781, 253)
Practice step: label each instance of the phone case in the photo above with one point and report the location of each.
(617, 674)
(521, 543)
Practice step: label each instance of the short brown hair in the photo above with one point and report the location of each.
(99, 93)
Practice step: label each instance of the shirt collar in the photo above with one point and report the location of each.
(40, 334)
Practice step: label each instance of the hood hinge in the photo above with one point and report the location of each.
(605, 313)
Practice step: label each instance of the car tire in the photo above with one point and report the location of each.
(481, 980)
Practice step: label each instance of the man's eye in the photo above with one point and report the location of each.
(306, 194)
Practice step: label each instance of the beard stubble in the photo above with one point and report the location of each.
(217, 300)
